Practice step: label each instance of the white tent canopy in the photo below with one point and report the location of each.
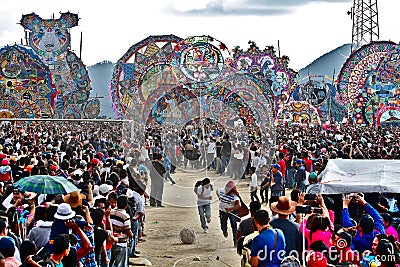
(352, 175)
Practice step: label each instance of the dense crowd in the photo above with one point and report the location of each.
(118, 174)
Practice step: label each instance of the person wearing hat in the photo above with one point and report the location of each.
(300, 175)
(105, 189)
(369, 225)
(5, 170)
(293, 237)
(229, 203)
(277, 181)
(267, 248)
(74, 199)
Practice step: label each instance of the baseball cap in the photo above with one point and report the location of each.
(277, 166)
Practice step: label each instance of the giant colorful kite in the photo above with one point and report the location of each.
(319, 92)
(50, 40)
(25, 84)
(369, 84)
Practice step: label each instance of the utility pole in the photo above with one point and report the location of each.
(364, 15)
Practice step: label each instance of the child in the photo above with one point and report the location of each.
(253, 184)
(167, 166)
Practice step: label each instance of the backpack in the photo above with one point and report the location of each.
(196, 186)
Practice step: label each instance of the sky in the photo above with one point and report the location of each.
(305, 29)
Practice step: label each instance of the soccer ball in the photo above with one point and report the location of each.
(187, 236)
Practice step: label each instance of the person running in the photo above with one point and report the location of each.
(203, 190)
(228, 205)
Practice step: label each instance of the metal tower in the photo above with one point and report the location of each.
(364, 14)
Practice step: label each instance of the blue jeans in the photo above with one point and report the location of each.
(276, 193)
(167, 176)
(204, 212)
(301, 186)
(225, 162)
(290, 178)
(134, 239)
(119, 256)
(223, 217)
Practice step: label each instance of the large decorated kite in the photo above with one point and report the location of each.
(50, 39)
(319, 92)
(369, 84)
(25, 84)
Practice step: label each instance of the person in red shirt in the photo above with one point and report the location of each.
(307, 161)
(282, 163)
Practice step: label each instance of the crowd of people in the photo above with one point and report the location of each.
(118, 175)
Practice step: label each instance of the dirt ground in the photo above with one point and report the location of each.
(163, 246)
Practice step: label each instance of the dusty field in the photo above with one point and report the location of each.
(163, 247)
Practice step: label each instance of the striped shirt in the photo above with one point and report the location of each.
(226, 201)
(120, 221)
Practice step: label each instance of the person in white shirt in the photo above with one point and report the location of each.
(253, 184)
(210, 154)
(255, 161)
(228, 205)
(203, 190)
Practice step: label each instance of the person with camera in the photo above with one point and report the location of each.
(268, 247)
(369, 225)
(318, 223)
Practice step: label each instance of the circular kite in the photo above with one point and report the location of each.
(363, 81)
(25, 81)
(142, 63)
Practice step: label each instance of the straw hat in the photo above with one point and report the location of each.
(74, 199)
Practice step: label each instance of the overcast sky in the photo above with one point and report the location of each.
(306, 29)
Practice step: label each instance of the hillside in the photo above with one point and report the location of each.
(327, 63)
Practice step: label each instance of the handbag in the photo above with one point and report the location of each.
(243, 210)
